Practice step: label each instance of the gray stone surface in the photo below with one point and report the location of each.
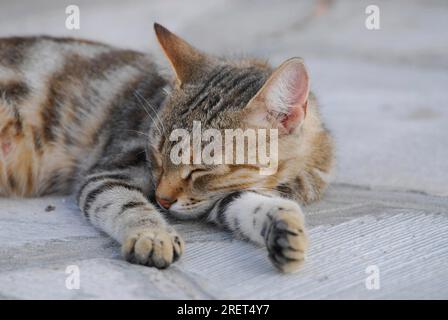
(384, 97)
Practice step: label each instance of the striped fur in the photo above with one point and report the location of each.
(88, 119)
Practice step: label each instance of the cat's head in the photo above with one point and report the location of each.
(221, 94)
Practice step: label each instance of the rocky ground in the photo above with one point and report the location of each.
(383, 95)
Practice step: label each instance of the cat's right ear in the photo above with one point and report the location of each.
(283, 99)
(186, 61)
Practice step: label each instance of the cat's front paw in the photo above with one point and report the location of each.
(153, 247)
(286, 240)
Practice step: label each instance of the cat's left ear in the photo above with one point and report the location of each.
(283, 99)
(187, 61)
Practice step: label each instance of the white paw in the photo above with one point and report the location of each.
(156, 247)
(286, 240)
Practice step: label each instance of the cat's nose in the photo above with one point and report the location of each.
(165, 203)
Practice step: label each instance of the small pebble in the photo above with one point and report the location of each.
(50, 208)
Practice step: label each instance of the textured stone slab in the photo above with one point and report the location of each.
(407, 241)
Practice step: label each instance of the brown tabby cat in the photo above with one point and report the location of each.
(86, 118)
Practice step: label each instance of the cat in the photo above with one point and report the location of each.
(84, 118)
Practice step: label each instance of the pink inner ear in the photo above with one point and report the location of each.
(295, 94)
(6, 147)
(296, 115)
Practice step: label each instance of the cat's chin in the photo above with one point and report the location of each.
(190, 213)
(186, 215)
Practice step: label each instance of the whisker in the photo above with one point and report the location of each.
(148, 113)
(159, 121)
(139, 132)
(152, 108)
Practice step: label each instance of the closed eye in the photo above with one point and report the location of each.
(190, 174)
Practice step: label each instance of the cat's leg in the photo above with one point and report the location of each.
(114, 202)
(275, 222)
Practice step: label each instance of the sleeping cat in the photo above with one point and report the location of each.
(85, 118)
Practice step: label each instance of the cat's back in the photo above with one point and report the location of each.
(41, 56)
(36, 61)
(56, 95)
